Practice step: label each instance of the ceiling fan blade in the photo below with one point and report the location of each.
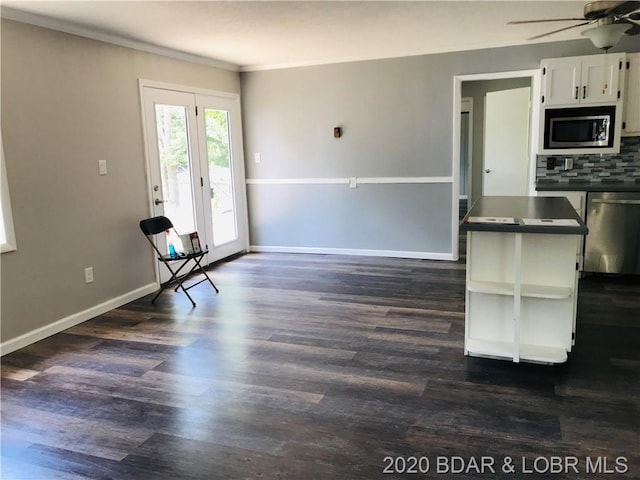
(622, 8)
(516, 22)
(635, 16)
(559, 30)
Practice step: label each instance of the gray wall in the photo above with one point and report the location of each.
(289, 117)
(67, 102)
(397, 121)
(337, 217)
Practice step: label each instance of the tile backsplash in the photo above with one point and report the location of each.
(623, 167)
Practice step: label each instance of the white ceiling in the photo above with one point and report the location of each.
(254, 35)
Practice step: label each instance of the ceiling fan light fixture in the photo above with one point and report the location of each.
(606, 36)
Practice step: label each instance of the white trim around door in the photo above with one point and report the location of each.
(455, 158)
(205, 117)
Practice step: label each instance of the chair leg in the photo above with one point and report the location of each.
(164, 286)
(180, 279)
(199, 267)
(158, 294)
(188, 296)
(180, 286)
(205, 274)
(212, 284)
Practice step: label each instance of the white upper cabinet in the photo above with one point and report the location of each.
(561, 80)
(600, 77)
(631, 111)
(594, 79)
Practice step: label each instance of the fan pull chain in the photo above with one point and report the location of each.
(604, 72)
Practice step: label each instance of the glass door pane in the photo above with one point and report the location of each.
(175, 166)
(220, 169)
(171, 133)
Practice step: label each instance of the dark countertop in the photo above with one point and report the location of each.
(523, 207)
(588, 187)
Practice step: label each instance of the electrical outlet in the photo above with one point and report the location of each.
(88, 275)
(551, 163)
(568, 163)
(256, 157)
(102, 167)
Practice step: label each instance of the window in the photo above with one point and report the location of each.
(7, 235)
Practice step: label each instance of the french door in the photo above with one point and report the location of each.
(195, 163)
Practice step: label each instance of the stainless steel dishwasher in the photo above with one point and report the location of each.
(613, 242)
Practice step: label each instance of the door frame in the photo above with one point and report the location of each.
(466, 106)
(242, 212)
(535, 76)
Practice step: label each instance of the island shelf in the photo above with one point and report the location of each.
(521, 278)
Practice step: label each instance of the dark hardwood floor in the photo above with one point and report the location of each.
(321, 367)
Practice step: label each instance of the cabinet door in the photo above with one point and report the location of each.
(600, 79)
(561, 81)
(631, 112)
(578, 201)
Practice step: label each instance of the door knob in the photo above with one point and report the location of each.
(487, 170)
(157, 201)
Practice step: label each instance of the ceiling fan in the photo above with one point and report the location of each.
(610, 21)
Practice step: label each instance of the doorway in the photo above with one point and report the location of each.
(495, 94)
(463, 86)
(196, 168)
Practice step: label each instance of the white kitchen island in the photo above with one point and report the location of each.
(522, 280)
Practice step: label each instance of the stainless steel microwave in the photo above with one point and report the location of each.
(579, 127)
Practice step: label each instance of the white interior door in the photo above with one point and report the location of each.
(506, 142)
(194, 157)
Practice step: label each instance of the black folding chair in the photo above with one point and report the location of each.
(156, 225)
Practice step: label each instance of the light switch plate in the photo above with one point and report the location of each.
(88, 275)
(102, 167)
(568, 163)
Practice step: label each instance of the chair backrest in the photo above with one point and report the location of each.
(155, 225)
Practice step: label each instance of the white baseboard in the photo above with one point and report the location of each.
(354, 251)
(74, 319)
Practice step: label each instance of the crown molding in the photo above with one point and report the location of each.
(81, 31)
